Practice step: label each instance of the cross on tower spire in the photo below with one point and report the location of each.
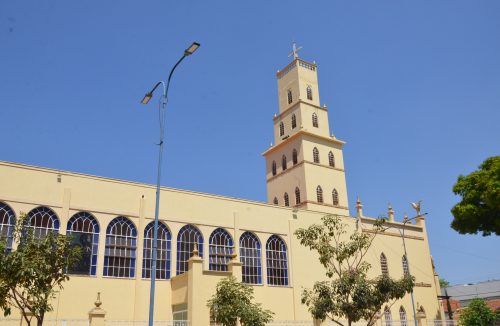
(295, 50)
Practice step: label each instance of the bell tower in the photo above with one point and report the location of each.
(305, 166)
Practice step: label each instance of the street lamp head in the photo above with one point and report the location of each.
(193, 47)
(147, 97)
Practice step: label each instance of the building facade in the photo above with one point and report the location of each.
(204, 237)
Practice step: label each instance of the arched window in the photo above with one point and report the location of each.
(84, 232)
(315, 120)
(7, 223)
(383, 264)
(163, 251)
(297, 196)
(319, 194)
(275, 201)
(290, 98)
(41, 221)
(120, 251)
(387, 316)
(309, 93)
(274, 167)
(294, 156)
(315, 155)
(282, 129)
(402, 316)
(286, 199)
(277, 263)
(294, 121)
(220, 250)
(283, 162)
(406, 270)
(335, 197)
(187, 239)
(331, 159)
(250, 258)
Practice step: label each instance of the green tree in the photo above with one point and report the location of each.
(443, 283)
(477, 313)
(31, 274)
(479, 210)
(348, 294)
(232, 301)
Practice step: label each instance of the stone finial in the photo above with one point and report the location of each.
(405, 218)
(234, 256)
(359, 207)
(196, 253)
(98, 302)
(390, 213)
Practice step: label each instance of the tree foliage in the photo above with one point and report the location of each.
(477, 313)
(479, 210)
(348, 293)
(31, 274)
(443, 283)
(232, 301)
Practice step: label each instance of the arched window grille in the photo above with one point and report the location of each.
(297, 196)
(163, 251)
(402, 316)
(406, 270)
(277, 263)
(274, 167)
(387, 316)
(290, 98)
(41, 221)
(283, 162)
(309, 93)
(120, 251)
(315, 120)
(250, 258)
(331, 159)
(295, 158)
(84, 232)
(286, 199)
(335, 197)
(275, 201)
(282, 129)
(7, 223)
(383, 264)
(220, 250)
(315, 155)
(319, 194)
(294, 121)
(187, 239)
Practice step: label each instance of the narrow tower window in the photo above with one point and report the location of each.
(315, 120)
(287, 201)
(315, 155)
(331, 159)
(294, 121)
(290, 98)
(274, 167)
(383, 264)
(309, 93)
(275, 201)
(282, 129)
(294, 156)
(297, 196)
(319, 194)
(283, 162)
(335, 197)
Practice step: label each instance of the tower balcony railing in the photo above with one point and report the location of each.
(293, 65)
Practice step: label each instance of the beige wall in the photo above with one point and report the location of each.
(24, 188)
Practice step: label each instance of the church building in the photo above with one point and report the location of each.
(203, 238)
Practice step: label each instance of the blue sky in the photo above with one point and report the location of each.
(413, 87)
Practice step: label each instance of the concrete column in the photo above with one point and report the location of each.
(65, 211)
(195, 282)
(234, 267)
(97, 314)
(139, 299)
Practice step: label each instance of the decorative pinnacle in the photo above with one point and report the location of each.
(195, 250)
(405, 218)
(359, 207)
(98, 302)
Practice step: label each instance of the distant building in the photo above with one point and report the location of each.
(204, 237)
(462, 294)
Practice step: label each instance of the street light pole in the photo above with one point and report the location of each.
(402, 234)
(162, 109)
